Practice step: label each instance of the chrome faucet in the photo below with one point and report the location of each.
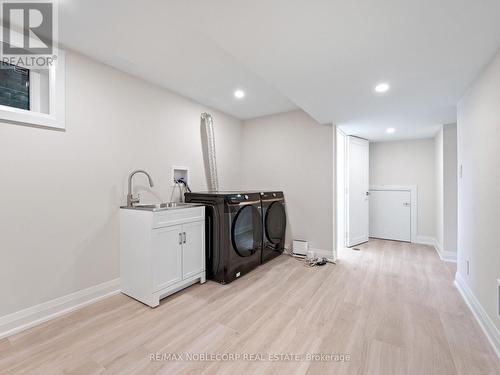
(131, 200)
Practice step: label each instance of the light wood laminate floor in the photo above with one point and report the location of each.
(391, 306)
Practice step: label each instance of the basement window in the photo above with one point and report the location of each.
(33, 96)
(14, 86)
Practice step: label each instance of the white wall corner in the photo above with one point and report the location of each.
(425, 240)
(32, 316)
(490, 330)
(445, 256)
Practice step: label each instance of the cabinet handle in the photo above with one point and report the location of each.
(184, 234)
(180, 238)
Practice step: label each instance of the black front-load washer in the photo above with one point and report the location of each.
(274, 224)
(233, 233)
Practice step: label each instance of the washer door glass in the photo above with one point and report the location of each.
(275, 223)
(246, 231)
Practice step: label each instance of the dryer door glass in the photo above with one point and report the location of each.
(275, 223)
(246, 231)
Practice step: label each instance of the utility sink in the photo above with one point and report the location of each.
(161, 206)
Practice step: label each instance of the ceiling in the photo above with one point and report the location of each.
(323, 56)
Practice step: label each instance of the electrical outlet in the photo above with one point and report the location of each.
(467, 267)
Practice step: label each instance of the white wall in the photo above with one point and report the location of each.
(340, 183)
(450, 189)
(479, 192)
(446, 191)
(439, 188)
(293, 153)
(59, 226)
(408, 163)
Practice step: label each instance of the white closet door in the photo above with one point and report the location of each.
(390, 215)
(357, 190)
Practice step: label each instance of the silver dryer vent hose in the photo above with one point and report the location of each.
(208, 145)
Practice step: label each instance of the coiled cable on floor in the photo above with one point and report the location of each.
(308, 262)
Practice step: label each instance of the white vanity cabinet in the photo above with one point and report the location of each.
(161, 252)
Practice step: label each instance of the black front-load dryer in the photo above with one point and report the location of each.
(274, 224)
(233, 233)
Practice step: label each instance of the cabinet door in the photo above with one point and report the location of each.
(193, 254)
(167, 256)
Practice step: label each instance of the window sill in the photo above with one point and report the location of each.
(20, 116)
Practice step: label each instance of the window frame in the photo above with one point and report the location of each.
(55, 119)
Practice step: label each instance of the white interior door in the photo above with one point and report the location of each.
(390, 215)
(357, 191)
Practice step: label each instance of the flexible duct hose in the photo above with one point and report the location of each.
(208, 146)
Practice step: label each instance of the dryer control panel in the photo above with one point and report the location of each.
(272, 195)
(243, 198)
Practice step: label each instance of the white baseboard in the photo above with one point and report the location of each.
(32, 316)
(445, 256)
(489, 329)
(425, 240)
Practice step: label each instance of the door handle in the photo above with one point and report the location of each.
(406, 204)
(180, 238)
(184, 236)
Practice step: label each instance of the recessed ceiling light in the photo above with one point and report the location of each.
(382, 87)
(391, 130)
(239, 94)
